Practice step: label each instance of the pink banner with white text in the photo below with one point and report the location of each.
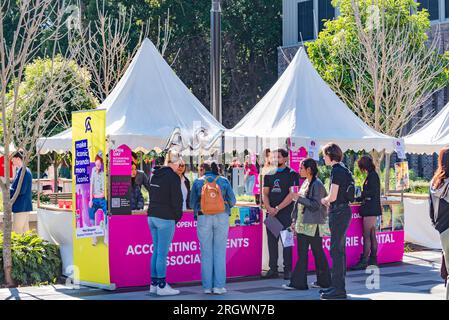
(390, 242)
(131, 248)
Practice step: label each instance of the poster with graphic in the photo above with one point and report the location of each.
(402, 175)
(89, 187)
(399, 147)
(297, 153)
(120, 165)
(256, 188)
(313, 150)
(90, 184)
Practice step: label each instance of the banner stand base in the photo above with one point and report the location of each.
(109, 287)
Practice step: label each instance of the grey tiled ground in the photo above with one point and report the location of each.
(415, 279)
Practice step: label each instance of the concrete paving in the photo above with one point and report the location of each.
(417, 278)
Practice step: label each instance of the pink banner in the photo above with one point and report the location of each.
(390, 249)
(296, 156)
(130, 249)
(120, 161)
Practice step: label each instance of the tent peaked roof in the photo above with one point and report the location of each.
(146, 106)
(432, 136)
(302, 106)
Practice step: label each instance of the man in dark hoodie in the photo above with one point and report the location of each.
(164, 211)
(439, 204)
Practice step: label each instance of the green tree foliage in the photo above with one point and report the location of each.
(35, 261)
(77, 97)
(251, 34)
(31, 95)
(382, 94)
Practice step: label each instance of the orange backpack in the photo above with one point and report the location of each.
(211, 198)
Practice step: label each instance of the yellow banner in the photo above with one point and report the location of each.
(89, 194)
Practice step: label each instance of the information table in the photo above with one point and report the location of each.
(390, 237)
(130, 249)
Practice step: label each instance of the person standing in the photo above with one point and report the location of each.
(22, 207)
(370, 209)
(276, 189)
(250, 176)
(97, 193)
(213, 225)
(341, 184)
(164, 211)
(138, 179)
(310, 225)
(185, 186)
(439, 204)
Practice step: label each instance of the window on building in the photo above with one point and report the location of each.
(446, 8)
(305, 21)
(432, 7)
(325, 11)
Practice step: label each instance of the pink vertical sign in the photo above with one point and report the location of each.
(120, 166)
(297, 154)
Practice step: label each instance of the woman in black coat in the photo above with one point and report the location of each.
(370, 209)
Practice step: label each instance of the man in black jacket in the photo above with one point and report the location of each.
(164, 211)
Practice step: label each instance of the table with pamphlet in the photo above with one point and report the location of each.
(130, 248)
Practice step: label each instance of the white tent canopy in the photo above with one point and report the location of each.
(148, 105)
(301, 106)
(432, 136)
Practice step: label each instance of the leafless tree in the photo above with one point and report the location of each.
(103, 46)
(38, 22)
(393, 75)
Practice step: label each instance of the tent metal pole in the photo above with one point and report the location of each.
(38, 179)
(387, 173)
(215, 60)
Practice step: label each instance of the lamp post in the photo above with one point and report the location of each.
(215, 60)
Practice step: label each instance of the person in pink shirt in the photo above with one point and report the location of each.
(251, 174)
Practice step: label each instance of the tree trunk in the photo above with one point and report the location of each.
(7, 227)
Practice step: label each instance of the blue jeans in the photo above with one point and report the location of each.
(249, 185)
(162, 232)
(213, 237)
(97, 203)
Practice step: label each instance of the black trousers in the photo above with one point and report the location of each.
(273, 243)
(299, 275)
(339, 220)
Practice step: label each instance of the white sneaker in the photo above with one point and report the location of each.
(153, 289)
(219, 290)
(166, 291)
(208, 291)
(287, 287)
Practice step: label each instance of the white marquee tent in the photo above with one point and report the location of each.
(149, 105)
(432, 136)
(302, 106)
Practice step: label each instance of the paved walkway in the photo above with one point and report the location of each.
(417, 278)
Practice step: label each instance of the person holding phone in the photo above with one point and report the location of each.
(310, 225)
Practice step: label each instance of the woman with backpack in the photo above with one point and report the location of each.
(439, 204)
(341, 193)
(212, 198)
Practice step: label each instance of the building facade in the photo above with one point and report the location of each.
(302, 22)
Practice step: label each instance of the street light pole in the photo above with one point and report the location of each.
(215, 60)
